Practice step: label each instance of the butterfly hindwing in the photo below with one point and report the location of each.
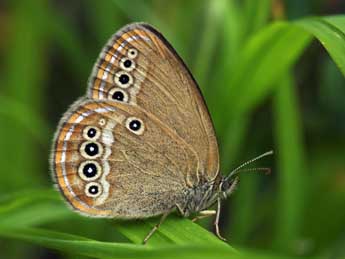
(139, 67)
(108, 160)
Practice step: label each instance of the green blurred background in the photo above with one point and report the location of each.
(47, 49)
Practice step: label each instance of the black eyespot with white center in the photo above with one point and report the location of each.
(91, 149)
(117, 94)
(132, 53)
(127, 64)
(135, 125)
(91, 133)
(89, 170)
(123, 79)
(93, 189)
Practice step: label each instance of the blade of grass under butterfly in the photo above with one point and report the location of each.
(38, 207)
(175, 230)
(81, 246)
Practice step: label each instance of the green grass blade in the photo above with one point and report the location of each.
(291, 166)
(175, 230)
(209, 39)
(37, 207)
(80, 246)
(255, 76)
(31, 208)
(267, 56)
(330, 31)
(256, 15)
(261, 63)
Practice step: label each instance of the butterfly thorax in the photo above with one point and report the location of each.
(200, 197)
(206, 194)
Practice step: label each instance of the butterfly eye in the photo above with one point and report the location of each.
(132, 53)
(91, 149)
(127, 64)
(117, 94)
(123, 79)
(91, 133)
(135, 125)
(93, 189)
(89, 170)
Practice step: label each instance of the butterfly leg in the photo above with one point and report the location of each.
(216, 222)
(155, 228)
(204, 214)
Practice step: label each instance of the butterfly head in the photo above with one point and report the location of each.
(227, 184)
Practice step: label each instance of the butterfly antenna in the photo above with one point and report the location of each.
(238, 169)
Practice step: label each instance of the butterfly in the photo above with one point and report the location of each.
(141, 142)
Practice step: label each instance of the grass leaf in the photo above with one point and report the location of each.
(330, 31)
(291, 166)
(92, 248)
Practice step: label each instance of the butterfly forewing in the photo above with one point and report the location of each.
(109, 158)
(140, 68)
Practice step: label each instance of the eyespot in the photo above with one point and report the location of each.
(93, 189)
(91, 133)
(135, 125)
(89, 170)
(117, 94)
(91, 150)
(102, 122)
(127, 64)
(123, 79)
(132, 53)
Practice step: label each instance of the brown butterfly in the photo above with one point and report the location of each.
(141, 142)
